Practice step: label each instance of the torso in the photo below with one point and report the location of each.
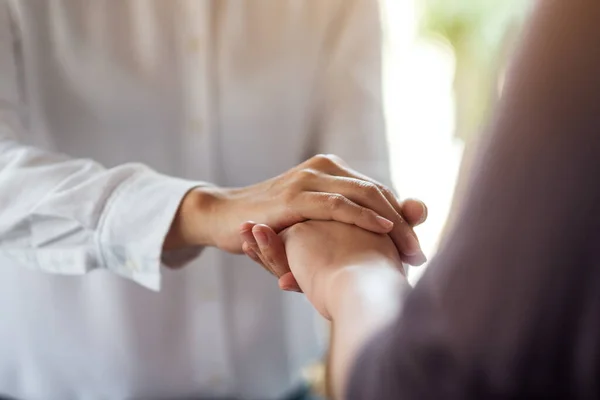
(98, 87)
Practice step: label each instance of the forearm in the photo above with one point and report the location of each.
(69, 216)
(517, 279)
(191, 224)
(366, 298)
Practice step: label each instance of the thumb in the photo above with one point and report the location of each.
(414, 211)
(288, 282)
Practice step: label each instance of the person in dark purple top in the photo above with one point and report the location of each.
(510, 306)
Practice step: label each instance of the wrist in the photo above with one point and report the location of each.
(193, 222)
(364, 300)
(374, 284)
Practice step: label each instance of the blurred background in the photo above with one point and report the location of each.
(444, 63)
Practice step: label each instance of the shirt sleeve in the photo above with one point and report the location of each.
(70, 216)
(510, 306)
(349, 102)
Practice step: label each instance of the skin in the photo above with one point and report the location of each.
(514, 285)
(263, 245)
(354, 278)
(533, 203)
(322, 188)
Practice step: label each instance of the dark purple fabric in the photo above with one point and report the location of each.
(510, 307)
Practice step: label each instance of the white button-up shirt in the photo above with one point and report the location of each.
(102, 105)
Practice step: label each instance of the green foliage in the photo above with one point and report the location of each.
(480, 32)
(478, 24)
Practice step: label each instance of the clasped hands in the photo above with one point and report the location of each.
(313, 256)
(319, 212)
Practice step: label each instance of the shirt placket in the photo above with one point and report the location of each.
(200, 164)
(196, 86)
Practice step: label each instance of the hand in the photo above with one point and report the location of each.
(324, 255)
(265, 247)
(322, 188)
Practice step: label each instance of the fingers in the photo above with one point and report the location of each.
(366, 188)
(361, 203)
(266, 248)
(334, 206)
(414, 211)
(272, 249)
(338, 167)
(250, 252)
(325, 188)
(246, 232)
(250, 247)
(288, 283)
(415, 261)
(330, 164)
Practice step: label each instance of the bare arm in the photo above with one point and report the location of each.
(366, 299)
(65, 215)
(509, 308)
(352, 277)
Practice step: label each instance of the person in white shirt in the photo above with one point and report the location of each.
(149, 100)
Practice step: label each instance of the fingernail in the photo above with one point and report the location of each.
(261, 238)
(248, 237)
(293, 289)
(385, 223)
(420, 259)
(413, 246)
(424, 213)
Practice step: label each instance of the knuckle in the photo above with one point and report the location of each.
(323, 160)
(319, 158)
(364, 213)
(366, 190)
(335, 202)
(387, 192)
(301, 178)
(306, 175)
(371, 190)
(335, 158)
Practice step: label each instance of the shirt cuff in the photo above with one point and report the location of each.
(135, 223)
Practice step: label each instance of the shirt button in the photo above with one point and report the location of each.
(209, 295)
(215, 381)
(194, 45)
(196, 127)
